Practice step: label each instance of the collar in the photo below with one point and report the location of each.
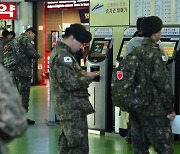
(63, 45)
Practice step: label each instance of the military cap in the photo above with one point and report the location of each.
(151, 25)
(80, 33)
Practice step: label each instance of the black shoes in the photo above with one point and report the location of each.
(30, 122)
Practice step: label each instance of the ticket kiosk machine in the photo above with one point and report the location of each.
(100, 59)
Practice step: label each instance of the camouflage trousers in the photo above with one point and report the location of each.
(23, 85)
(154, 130)
(73, 137)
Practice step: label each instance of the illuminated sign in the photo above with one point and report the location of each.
(84, 15)
(8, 10)
(67, 4)
(40, 0)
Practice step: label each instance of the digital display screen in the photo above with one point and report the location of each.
(169, 48)
(99, 48)
(122, 49)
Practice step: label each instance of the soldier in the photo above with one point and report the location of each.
(23, 72)
(12, 115)
(134, 42)
(153, 122)
(69, 85)
(12, 35)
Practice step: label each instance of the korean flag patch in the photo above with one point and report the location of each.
(67, 59)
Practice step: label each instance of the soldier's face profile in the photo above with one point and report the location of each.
(158, 35)
(10, 36)
(31, 35)
(76, 45)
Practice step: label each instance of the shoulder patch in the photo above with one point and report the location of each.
(164, 58)
(6, 47)
(119, 75)
(67, 59)
(32, 42)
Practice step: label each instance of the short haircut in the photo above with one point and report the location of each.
(138, 23)
(32, 30)
(5, 33)
(12, 33)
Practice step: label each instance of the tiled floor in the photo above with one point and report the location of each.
(43, 139)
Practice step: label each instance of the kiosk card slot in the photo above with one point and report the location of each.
(97, 69)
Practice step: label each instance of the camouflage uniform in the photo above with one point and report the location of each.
(3, 41)
(12, 115)
(70, 98)
(151, 123)
(23, 73)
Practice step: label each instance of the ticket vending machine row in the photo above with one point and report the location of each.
(172, 48)
(100, 59)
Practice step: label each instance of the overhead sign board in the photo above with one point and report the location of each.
(112, 13)
(8, 10)
(40, 0)
(81, 4)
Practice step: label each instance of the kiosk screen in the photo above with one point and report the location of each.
(99, 48)
(169, 48)
(122, 48)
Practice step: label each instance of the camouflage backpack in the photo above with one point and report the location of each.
(11, 54)
(125, 89)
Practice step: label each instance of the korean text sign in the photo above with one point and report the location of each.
(8, 10)
(109, 13)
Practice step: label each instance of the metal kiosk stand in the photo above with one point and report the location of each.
(100, 59)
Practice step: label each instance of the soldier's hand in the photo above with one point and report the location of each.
(172, 116)
(97, 73)
(92, 75)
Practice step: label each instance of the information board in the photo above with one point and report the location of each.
(109, 13)
(167, 10)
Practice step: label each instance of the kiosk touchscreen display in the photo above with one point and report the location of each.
(99, 48)
(169, 48)
(122, 48)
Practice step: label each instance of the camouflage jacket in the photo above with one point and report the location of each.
(3, 41)
(156, 84)
(68, 85)
(12, 115)
(29, 53)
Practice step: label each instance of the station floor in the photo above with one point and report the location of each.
(43, 139)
